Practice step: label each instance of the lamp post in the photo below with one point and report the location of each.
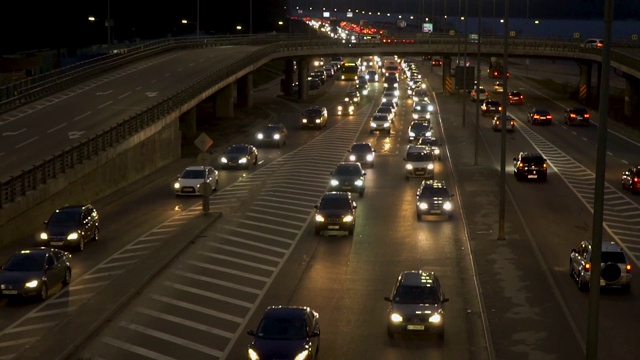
(198, 19)
(250, 17)
(475, 161)
(503, 127)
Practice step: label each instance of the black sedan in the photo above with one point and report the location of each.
(349, 177)
(576, 116)
(240, 156)
(286, 333)
(34, 272)
(363, 153)
(71, 226)
(272, 134)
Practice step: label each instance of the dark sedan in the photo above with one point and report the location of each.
(286, 333)
(272, 134)
(35, 272)
(71, 226)
(576, 116)
(539, 116)
(349, 177)
(240, 156)
(516, 98)
(363, 153)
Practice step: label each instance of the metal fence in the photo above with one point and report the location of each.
(270, 47)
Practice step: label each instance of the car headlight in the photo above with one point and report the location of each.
(436, 151)
(253, 355)
(44, 236)
(319, 218)
(334, 182)
(370, 157)
(395, 86)
(396, 318)
(408, 167)
(352, 158)
(317, 121)
(73, 236)
(348, 218)
(359, 182)
(396, 93)
(243, 160)
(304, 121)
(435, 318)
(423, 206)
(415, 116)
(303, 355)
(386, 124)
(373, 125)
(447, 206)
(430, 166)
(346, 99)
(224, 160)
(428, 134)
(412, 134)
(260, 136)
(415, 98)
(276, 136)
(365, 92)
(32, 284)
(430, 107)
(339, 107)
(176, 185)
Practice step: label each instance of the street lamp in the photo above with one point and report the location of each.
(198, 19)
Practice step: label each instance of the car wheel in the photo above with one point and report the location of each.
(96, 234)
(67, 278)
(44, 292)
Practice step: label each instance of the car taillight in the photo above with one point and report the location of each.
(573, 115)
(635, 179)
(521, 165)
(544, 165)
(628, 267)
(587, 267)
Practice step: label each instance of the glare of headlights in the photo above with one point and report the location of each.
(302, 355)
(317, 121)
(435, 318)
(436, 151)
(224, 160)
(253, 355)
(408, 167)
(31, 284)
(319, 218)
(348, 218)
(43, 236)
(334, 182)
(359, 182)
(396, 317)
(423, 206)
(276, 136)
(352, 158)
(430, 108)
(243, 160)
(430, 166)
(411, 133)
(386, 124)
(369, 157)
(176, 185)
(415, 116)
(72, 236)
(260, 136)
(447, 206)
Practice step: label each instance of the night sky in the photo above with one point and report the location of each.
(27, 25)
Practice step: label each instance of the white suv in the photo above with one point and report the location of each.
(616, 269)
(419, 162)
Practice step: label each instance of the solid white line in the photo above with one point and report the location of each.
(31, 327)
(26, 142)
(17, 342)
(57, 127)
(181, 321)
(209, 294)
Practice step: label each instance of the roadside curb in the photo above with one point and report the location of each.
(64, 340)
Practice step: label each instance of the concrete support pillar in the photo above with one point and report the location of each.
(287, 82)
(584, 86)
(245, 91)
(224, 102)
(447, 80)
(631, 96)
(303, 73)
(187, 124)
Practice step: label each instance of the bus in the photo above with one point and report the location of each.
(350, 70)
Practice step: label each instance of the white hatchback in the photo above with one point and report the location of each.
(191, 179)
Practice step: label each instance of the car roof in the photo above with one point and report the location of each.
(336, 194)
(416, 148)
(196, 167)
(75, 207)
(433, 183)
(38, 250)
(417, 278)
(288, 311)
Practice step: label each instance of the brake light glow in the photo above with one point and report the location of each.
(628, 267)
(587, 267)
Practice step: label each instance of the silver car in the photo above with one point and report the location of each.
(616, 268)
(192, 177)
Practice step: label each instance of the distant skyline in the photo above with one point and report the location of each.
(32, 25)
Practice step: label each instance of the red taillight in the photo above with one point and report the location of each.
(628, 267)
(544, 165)
(587, 267)
(586, 116)
(573, 115)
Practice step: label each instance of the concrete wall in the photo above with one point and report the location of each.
(133, 159)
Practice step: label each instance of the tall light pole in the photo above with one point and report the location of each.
(465, 38)
(475, 160)
(250, 17)
(503, 126)
(198, 19)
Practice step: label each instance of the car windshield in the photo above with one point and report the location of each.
(613, 257)
(25, 262)
(384, 110)
(193, 174)
(415, 295)
(282, 328)
(347, 171)
(380, 117)
(332, 203)
(360, 148)
(237, 150)
(435, 193)
(533, 160)
(372, 73)
(63, 218)
(419, 127)
(272, 128)
(420, 156)
(312, 112)
(427, 141)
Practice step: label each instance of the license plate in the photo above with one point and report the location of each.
(420, 172)
(346, 187)
(333, 227)
(10, 292)
(579, 117)
(436, 211)
(602, 282)
(415, 327)
(57, 242)
(532, 176)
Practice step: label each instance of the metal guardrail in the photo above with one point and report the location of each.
(272, 47)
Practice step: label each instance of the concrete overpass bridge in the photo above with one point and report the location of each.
(33, 186)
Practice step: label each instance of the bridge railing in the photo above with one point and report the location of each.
(268, 47)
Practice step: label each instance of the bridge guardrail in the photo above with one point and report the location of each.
(29, 179)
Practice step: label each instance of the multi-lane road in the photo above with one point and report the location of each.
(509, 299)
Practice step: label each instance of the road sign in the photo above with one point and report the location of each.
(204, 159)
(203, 142)
(512, 33)
(576, 35)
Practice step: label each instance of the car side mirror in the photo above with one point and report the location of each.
(355, 206)
(444, 300)
(388, 299)
(315, 333)
(315, 207)
(251, 332)
(514, 159)
(574, 251)
(364, 173)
